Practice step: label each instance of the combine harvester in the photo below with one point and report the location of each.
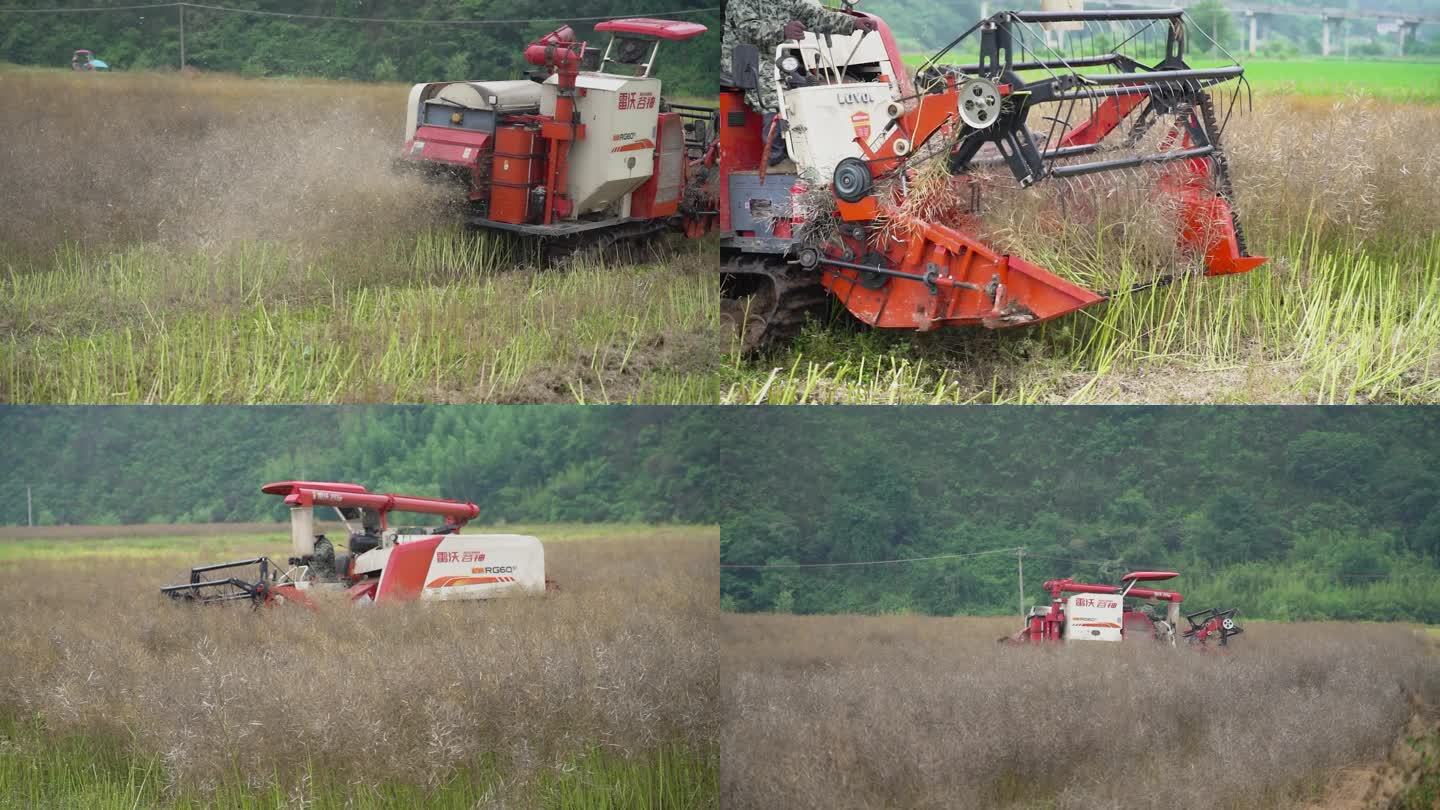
(381, 563)
(1099, 613)
(1051, 95)
(586, 156)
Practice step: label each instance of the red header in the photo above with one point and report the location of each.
(657, 29)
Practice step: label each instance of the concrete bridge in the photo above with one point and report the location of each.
(1407, 24)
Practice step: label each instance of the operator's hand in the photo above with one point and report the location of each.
(864, 24)
(793, 30)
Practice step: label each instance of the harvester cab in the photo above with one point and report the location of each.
(86, 60)
(584, 154)
(879, 202)
(378, 562)
(1080, 611)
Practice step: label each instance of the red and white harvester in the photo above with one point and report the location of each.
(1021, 99)
(586, 155)
(1080, 611)
(380, 562)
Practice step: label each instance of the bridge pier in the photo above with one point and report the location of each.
(1409, 30)
(1254, 29)
(1328, 21)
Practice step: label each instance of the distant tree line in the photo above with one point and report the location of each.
(1283, 512)
(149, 39)
(924, 27)
(98, 465)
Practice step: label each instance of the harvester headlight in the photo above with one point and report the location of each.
(790, 64)
(456, 118)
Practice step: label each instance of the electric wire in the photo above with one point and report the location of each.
(329, 18)
(1011, 550)
(1191, 572)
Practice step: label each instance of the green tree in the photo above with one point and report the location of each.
(1211, 17)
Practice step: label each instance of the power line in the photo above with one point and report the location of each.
(327, 18)
(96, 8)
(1010, 550)
(412, 21)
(1190, 571)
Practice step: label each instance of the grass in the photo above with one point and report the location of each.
(602, 694)
(851, 711)
(258, 248)
(40, 771)
(1338, 193)
(1423, 788)
(1393, 79)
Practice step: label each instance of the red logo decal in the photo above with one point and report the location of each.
(861, 122)
(636, 101)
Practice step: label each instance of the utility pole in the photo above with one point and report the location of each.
(1020, 563)
(182, 35)
(29, 513)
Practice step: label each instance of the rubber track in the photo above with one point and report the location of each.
(595, 243)
(797, 294)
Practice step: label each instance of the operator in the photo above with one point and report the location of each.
(765, 24)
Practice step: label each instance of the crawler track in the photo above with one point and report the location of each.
(764, 300)
(603, 243)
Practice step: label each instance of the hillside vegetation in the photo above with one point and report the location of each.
(255, 45)
(187, 465)
(1307, 513)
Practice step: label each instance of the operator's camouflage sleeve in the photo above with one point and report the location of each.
(761, 23)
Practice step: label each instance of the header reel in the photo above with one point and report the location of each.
(1212, 625)
(267, 586)
(1071, 96)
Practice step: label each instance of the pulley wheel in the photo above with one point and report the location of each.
(852, 180)
(979, 103)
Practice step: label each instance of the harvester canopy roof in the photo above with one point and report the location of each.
(652, 28)
(291, 487)
(1149, 576)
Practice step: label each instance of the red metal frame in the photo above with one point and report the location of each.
(741, 147)
(559, 51)
(290, 593)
